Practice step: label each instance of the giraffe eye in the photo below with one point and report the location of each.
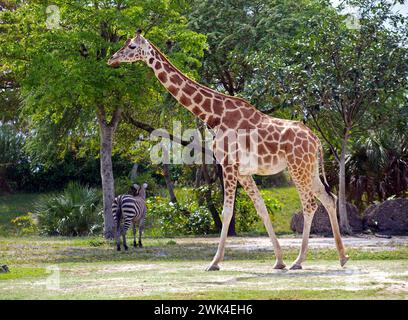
(132, 46)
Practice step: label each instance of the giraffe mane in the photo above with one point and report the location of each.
(197, 83)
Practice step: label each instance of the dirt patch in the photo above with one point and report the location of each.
(264, 243)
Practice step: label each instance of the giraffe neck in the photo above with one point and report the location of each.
(200, 100)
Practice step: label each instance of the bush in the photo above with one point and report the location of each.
(199, 221)
(246, 215)
(25, 225)
(178, 218)
(75, 212)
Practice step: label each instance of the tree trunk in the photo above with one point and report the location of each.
(133, 172)
(169, 184)
(208, 199)
(4, 186)
(106, 131)
(344, 223)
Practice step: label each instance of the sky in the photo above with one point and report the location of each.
(401, 8)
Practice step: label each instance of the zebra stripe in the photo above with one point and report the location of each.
(127, 210)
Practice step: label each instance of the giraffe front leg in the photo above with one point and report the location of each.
(252, 190)
(230, 184)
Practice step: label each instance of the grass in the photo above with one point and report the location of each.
(13, 206)
(174, 269)
(269, 295)
(290, 201)
(23, 272)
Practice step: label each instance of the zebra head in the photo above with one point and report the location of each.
(136, 190)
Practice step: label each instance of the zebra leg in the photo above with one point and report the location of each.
(134, 235)
(124, 238)
(117, 237)
(141, 225)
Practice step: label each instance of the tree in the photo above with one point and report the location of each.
(377, 165)
(334, 75)
(58, 55)
(10, 152)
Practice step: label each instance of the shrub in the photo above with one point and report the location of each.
(25, 225)
(245, 212)
(199, 221)
(75, 212)
(191, 216)
(178, 218)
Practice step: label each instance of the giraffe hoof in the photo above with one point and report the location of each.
(279, 265)
(344, 260)
(213, 267)
(295, 266)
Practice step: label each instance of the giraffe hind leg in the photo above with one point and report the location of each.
(302, 172)
(309, 208)
(329, 202)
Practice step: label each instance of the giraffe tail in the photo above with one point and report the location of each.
(321, 163)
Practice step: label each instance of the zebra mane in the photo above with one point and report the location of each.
(138, 191)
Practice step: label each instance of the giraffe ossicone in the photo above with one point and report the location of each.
(280, 144)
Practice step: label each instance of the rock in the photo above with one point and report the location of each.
(321, 222)
(4, 269)
(389, 217)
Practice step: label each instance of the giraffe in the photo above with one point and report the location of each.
(280, 144)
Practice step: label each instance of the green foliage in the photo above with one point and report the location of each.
(190, 216)
(246, 215)
(200, 221)
(333, 75)
(236, 30)
(62, 71)
(11, 143)
(75, 212)
(178, 218)
(377, 165)
(25, 225)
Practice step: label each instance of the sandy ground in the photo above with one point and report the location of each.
(263, 243)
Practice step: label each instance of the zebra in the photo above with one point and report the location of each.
(130, 208)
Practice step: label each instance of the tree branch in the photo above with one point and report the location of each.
(150, 129)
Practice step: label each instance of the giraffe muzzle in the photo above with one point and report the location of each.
(114, 63)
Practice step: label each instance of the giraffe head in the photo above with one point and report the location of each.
(135, 49)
